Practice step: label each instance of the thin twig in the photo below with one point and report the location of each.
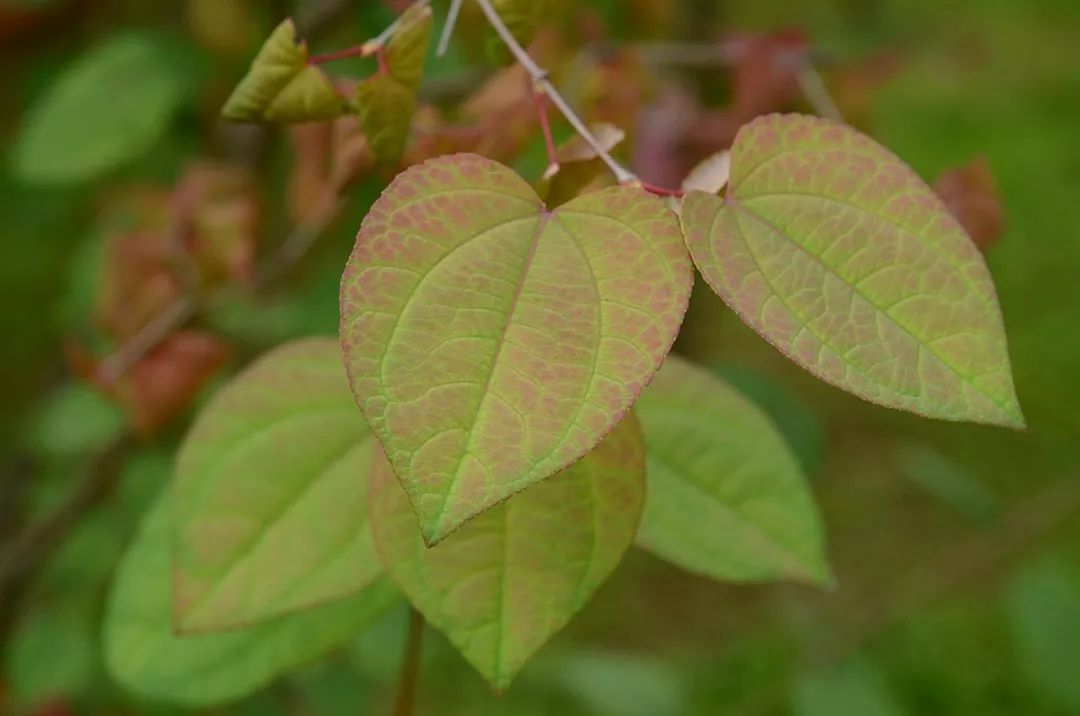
(380, 39)
(448, 28)
(410, 665)
(540, 102)
(813, 87)
(176, 314)
(540, 78)
(25, 551)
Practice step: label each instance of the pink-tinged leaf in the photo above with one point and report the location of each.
(270, 498)
(971, 193)
(504, 583)
(491, 342)
(726, 496)
(838, 254)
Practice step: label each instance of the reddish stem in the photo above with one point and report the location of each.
(540, 102)
(660, 191)
(355, 51)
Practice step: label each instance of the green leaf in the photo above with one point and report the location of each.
(726, 496)
(386, 109)
(407, 48)
(839, 255)
(270, 493)
(507, 581)
(145, 655)
(106, 109)
(578, 166)
(853, 688)
(282, 87)
(1043, 606)
(491, 342)
(522, 18)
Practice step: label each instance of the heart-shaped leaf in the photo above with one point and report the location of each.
(144, 654)
(270, 495)
(407, 48)
(726, 496)
(507, 581)
(491, 342)
(386, 108)
(839, 255)
(282, 87)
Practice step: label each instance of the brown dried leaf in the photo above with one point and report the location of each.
(971, 194)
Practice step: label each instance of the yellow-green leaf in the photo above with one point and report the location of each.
(386, 109)
(282, 87)
(491, 342)
(269, 496)
(838, 254)
(145, 655)
(507, 581)
(407, 48)
(726, 496)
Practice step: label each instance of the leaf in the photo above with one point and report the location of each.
(839, 255)
(491, 342)
(104, 110)
(144, 655)
(270, 494)
(578, 167)
(282, 87)
(710, 175)
(852, 688)
(386, 108)
(726, 496)
(1043, 608)
(507, 581)
(971, 194)
(407, 48)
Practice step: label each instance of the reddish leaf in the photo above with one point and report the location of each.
(217, 215)
(138, 282)
(971, 193)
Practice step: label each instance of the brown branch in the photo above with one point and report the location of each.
(410, 665)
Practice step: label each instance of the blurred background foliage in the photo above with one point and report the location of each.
(956, 548)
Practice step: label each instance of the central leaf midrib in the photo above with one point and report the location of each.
(501, 344)
(741, 208)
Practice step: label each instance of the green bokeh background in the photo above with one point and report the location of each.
(956, 548)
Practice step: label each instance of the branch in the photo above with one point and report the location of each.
(410, 665)
(540, 79)
(369, 48)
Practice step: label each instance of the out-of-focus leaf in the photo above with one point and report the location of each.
(803, 428)
(75, 421)
(282, 87)
(106, 109)
(168, 378)
(144, 653)
(490, 342)
(946, 480)
(505, 582)
(226, 27)
(386, 108)
(726, 496)
(578, 166)
(407, 47)
(854, 688)
(971, 194)
(614, 684)
(839, 255)
(51, 655)
(137, 282)
(1043, 607)
(522, 18)
(710, 175)
(270, 494)
(327, 158)
(219, 220)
